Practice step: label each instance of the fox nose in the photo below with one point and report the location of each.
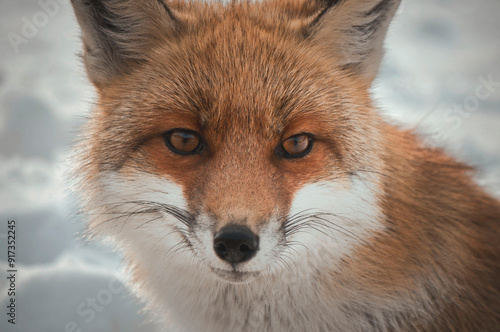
(235, 244)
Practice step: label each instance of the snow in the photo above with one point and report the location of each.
(440, 52)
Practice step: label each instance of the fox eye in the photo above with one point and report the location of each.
(297, 146)
(183, 141)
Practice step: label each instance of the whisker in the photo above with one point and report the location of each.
(318, 222)
(142, 207)
(174, 248)
(342, 229)
(149, 221)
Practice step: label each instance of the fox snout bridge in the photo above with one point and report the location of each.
(236, 244)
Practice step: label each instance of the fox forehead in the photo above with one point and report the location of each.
(231, 55)
(235, 77)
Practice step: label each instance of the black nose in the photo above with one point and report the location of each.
(235, 244)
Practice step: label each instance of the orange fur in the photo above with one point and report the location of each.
(248, 75)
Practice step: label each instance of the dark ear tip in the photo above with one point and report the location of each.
(358, 44)
(116, 33)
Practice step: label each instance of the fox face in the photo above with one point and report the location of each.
(239, 140)
(234, 154)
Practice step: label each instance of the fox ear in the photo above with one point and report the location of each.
(116, 34)
(354, 31)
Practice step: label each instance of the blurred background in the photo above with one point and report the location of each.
(441, 76)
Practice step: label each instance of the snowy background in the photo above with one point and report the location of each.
(441, 54)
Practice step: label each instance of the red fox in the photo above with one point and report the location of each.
(236, 157)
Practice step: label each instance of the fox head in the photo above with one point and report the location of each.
(233, 141)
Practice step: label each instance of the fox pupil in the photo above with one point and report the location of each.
(297, 146)
(182, 141)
